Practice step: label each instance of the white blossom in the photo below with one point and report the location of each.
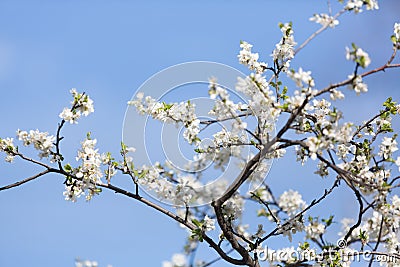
(88, 173)
(356, 5)
(68, 115)
(336, 94)
(314, 229)
(81, 105)
(387, 147)
(302, 77)
(325, 20)
(357, 85)
(8, 147)
(372, 4)
(292, 226)
(247, 58)
(396, 31)
(183, 112)
(397, 162)
(41, 141)
(284, 50)
(85, 263)
(208, 224)
(358, 55)
(291, 202)
(178, 260)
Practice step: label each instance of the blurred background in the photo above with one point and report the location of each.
(108, 49)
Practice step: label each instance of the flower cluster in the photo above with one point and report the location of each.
(41, 141)
(7, 146)
(86, 263)
(325, 20)
(183, 112)
(284, 50)
(387, 147)
(291, 202)
(314, 229)
(357, 84)
(396, 35)
(83, 180)
(356, 5)
(247, 58)
(302, 78)
(82, 105)
(358, 55)
(208, 224)
(178, 260)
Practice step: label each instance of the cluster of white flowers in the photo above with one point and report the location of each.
(183, 112)
(284, 50)
(7, 146)
(325, 20)
(358, 55)
(387, 147)
(81, 105)
(261, 101)
(184, 190)
(314, 230)
(336, 94)
(298, 99)
(356, 5)
(397, 30)
(233, 207)
(291, 202)
(397, 162)
(302, 77)
(224, 107)
(396, 35)
(258, 176)
(343, 151)
(86, 263)
(249, 59)
(291, 227)
(358, 85)
(208, 224)
(88, 174)
(314, 146)
(178, 260)
(41, 141)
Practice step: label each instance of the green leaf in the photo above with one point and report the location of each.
(304, 246)
(197, 233)
(262, 212)
(328, 221)
(97, 190)
(68, 167)
(394, 39)
(197, 223)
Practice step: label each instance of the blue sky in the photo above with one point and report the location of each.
(108, 49)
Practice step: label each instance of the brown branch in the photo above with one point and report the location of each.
(350, 80)
(25, 180)
(315, 34)
(377, 242)
(173, 216)
(360, 215)
(312, 204)
(229, 235)
(31, 160)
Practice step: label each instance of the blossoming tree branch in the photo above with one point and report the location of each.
(359, 157)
